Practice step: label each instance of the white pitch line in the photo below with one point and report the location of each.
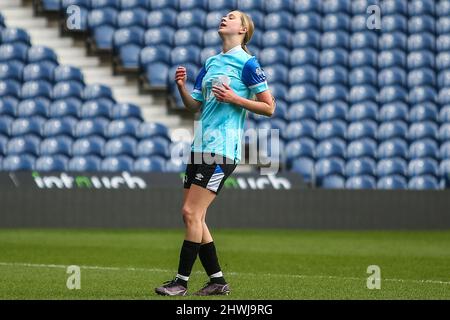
(60, 266)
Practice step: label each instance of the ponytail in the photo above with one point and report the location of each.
(247, 22)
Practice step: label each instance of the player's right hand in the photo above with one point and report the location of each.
(180, 76)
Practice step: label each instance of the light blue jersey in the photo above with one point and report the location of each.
(222, 124)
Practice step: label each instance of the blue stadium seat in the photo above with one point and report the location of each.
(11, 71)
(152, 147)
(422, 77)
(425, 148)
(444, 79)
(246, 5)
(127, 44)
(8, 107)
(425, 182)
(443, 8)
(444, 132)
(213, 19)
(367, 110)
(102, 23)
(97, 91)
(364, 40)
(423, 23)
(303, 110)
(93, 109)
(304, 167)
(90, 127)
(182, 55)
(422, 94)
(360, 58)
(163, 4)
(392, 166)
(332, 182)
(394, 23)
(51, 163)
(26, 126)
(191, 18)
(175, 166)
(151, 129)
(133, 4)
(394, 111)
(362, 148)
(276, 38)
(120, 128)
(32, 107)
(126, 110)
(363, 76)
(274, 55)
(444, 114)
(36, 89)
(277, 73)
(59, 126)
(393, 148)
(393, 41)
(302, 6)
(16, 54)
(51, 5)
(394, 182)
(392, 129)
(444, 96)
(68, 73)
(391, 94)
(330, 57)
(303, 147)
(392, 76)
(162, 18)
(421, 59)
(5, 124)
(42, 54)
(336, 21)
(63, 108)
(303, 75)
(443, 25)
(88, 146)
(38, 71)
(193, 4)
(84, 164)
(56, 145)
(15, 36)
(444, 169)
(424, 129)
(297, 129)
(392, 58)
(24, 162)
(421, 7)
(305, 56)
(149, 164)
(333, 75)
(65, 90)
(334, 147)
(189, 37)
(212, 51)
(132, 18)
(336, 39)
(421, 41)
(301, 93)
(258, 18)
(9, 89)
(103, 4)
(362, 129)
(276, 123)
(394, 7)
(331, 129)
(307, 21)
(3, 144)
(210, 39)
(124, 146)
(423, 166)
(214, 5)
(279, 20)
(23, 145)
(358, 23)
(154, 62)
(424, 112)
(159, 36)
(306, 39)
(361, 182)
(279, 91)
(362, 93)
(336, 6)
(117, 164)
(331, 93)
(333, 110)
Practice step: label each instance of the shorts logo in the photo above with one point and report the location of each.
(199, 176)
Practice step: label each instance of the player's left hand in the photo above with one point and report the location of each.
(224, 93)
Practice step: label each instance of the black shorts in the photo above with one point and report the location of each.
(208, 171)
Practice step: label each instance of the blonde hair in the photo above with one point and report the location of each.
(247, 22)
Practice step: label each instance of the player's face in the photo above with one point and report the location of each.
(231, 24)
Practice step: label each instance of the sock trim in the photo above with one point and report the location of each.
(217, 275)
(184, 278)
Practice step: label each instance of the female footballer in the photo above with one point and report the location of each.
(229, 84)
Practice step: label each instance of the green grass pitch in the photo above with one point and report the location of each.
(258, 264)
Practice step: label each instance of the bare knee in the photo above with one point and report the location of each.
(191, 217)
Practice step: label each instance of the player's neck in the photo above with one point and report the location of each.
(230, 43)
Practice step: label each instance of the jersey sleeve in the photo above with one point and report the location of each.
(197, 93)
(253, 76)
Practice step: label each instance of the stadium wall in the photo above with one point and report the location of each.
(65, 200)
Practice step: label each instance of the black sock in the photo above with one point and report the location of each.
(188, 254)
(210, 262)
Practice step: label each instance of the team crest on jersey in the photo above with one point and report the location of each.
(260, 72)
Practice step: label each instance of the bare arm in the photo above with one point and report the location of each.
(264, 104)
(190, 103)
